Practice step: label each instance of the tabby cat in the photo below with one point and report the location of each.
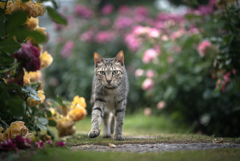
(109, 96)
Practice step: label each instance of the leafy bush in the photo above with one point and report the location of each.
(21, 59)
(171, 61)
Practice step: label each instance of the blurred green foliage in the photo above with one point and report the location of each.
(186, 83)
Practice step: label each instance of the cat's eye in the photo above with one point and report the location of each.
(102, 72)
(115, 72)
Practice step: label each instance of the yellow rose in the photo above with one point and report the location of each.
(46, 60)
(78, 113)
(66, 132)
(46, 137)
(78, 102)
(64, 110)
(64, 123)
(42, 30)
(39, 10)
(14, 7)
(28, 7)
(55, 114)
(16, 128)
(2, 5)
(35, 76)
(32, 23)
(30, 136)
(32, 102)
(3, 136)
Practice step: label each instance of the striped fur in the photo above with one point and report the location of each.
(109, 96)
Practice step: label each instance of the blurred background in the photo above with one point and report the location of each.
(175, 56)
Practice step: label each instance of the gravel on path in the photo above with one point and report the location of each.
(142, 148)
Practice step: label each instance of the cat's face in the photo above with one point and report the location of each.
(110, 71)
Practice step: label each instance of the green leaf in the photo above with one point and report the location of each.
(43, 120)
(49, 114)
(52, 123)
(15, 20)
(29, 89)
(59, 100)
(6, 58)
(49, 132)
(56, 17)
(15, 105)
(41, 126)
(22, 33)
(9, 45)
(31, 92)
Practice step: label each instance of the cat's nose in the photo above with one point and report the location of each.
(109, 81)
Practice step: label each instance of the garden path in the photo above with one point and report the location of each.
(156, 147)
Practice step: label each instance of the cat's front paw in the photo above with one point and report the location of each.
(94, 133)
(118, 137)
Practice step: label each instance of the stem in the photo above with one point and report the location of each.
(9, 69)
(5, 123)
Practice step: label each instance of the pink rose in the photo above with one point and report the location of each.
(107, 9)
(67, 49)
(7, 145)
(149, 55)
(82, 11)
(154, 33)
(40, 144)
(161, 105)
(132, 42)
(123, 22)
(60, 143)
(140, 30)
(170, 60)
(147, 111)
(141, 10)
(147, 84)
(203, 47)
(139, 72)
(29, 56)
(164, 38)
(22, 142)
(150, 73)
(103, 37)
(223, 83)
(123, 9)
(87, 36)
(49, 142)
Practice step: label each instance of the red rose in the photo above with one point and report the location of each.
(29, 56)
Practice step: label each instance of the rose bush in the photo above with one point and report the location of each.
(175, 59)
(21, 59)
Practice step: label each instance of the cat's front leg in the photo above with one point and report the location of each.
(119, 117)
(97, 115)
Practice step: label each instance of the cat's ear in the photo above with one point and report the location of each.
(97, 59)
(120, 57)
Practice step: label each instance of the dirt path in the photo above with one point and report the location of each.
(142, 148)
(158, 147)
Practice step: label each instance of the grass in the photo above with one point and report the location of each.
(137, 124)
(59, 154)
